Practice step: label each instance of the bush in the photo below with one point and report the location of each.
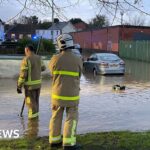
(46, 46)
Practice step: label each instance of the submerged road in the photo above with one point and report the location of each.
(101, 109)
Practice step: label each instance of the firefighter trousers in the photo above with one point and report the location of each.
(70, 125)
(32, 102)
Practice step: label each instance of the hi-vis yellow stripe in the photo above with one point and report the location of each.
(67, 98)
(72, 140)
(21, 80)
(33, 82)
(55, 139)
(68, 73)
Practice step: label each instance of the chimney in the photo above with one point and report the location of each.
(56, 20)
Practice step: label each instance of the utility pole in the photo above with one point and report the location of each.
(121, 13)
(52, 20)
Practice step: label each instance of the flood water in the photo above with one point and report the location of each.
(101, 109)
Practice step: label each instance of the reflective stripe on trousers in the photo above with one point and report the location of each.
(55, 139)
(30, 112)
(72, 140)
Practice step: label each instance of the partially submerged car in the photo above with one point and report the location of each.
(104, 63)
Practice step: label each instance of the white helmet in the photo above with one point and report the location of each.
(77, 46)
(65, 41)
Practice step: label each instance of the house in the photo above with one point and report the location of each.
(108, 38)
(20, 31)
(2, 34)
(55, 30)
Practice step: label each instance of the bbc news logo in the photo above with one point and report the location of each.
(9, 134)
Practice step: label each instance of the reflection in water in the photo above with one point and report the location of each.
(32, 128)
(104, 109)
(104, 80)
(23, 123)
(137, 71)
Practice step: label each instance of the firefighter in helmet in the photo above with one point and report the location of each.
(30, 78)
(65, 69)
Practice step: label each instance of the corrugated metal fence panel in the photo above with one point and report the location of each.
(138, 50)
(100, 39)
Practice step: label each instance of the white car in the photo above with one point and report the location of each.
(104, 63)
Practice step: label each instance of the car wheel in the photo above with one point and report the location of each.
(84, 67)
(94, 72)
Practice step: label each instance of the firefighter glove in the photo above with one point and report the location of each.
(19, 90)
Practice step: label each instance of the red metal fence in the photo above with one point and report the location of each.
(102, 39)
(108, 38)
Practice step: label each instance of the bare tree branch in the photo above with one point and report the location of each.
(137, 7)
(115, 12)
(112, 6)
(19, 13)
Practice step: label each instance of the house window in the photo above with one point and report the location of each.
(13, 36)
(57, 32)
(51, 32)
(29, 35)
(20, 36)
(37, 31)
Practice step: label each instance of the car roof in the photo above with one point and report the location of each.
(105, 54)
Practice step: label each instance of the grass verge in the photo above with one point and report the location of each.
(91, 141)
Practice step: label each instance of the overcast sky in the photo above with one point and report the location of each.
(84, 10)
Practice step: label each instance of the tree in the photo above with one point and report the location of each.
(45, 25)
(136, 21)
(111, 7)
(27, 20)
(99, 21)
(76, 20)
(34, 19)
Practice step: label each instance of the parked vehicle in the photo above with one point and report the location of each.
(104, 63)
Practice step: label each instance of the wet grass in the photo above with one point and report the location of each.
(92, 141)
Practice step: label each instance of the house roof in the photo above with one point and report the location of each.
(1, 22)
(20, 28)
(58, 26)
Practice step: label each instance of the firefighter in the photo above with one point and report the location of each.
(30, 78)
(65, 69)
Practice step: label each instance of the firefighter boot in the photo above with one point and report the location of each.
(75, 147)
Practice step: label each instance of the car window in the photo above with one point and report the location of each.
(108, 57)
(93, 56)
